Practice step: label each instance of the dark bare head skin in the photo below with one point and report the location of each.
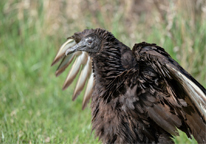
(90, 43)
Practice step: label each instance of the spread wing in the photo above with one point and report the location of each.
(169, 96)
(82, 64)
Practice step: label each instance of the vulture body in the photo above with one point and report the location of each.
(138, 96)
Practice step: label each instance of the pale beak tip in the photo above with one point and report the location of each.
(66, 53)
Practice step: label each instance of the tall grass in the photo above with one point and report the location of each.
(33, 109)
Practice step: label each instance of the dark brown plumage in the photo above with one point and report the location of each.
(138, 96)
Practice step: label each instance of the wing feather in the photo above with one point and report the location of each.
(194, 92)
(186, 99)
(80, 60)
(61, 53)
(82, 63)
(65, 62)
(82, 78)
(88, 91)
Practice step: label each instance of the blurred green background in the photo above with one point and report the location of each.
(33, 107)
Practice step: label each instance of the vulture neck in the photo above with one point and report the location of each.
(113, 58)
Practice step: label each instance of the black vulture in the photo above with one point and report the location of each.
(137, 96)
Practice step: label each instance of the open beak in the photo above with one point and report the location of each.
(83, 63)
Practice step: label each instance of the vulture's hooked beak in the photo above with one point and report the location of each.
(78, 47)
(71, 50)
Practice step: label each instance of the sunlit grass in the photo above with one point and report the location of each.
(33, 108)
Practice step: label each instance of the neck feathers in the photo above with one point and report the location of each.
(113, 58)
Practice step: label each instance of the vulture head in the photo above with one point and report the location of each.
(90, 43)
(82, 47)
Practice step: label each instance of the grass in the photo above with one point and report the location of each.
(33, 108)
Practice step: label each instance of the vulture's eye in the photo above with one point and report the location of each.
(89, 41)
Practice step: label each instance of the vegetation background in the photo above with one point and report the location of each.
(33, 108)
